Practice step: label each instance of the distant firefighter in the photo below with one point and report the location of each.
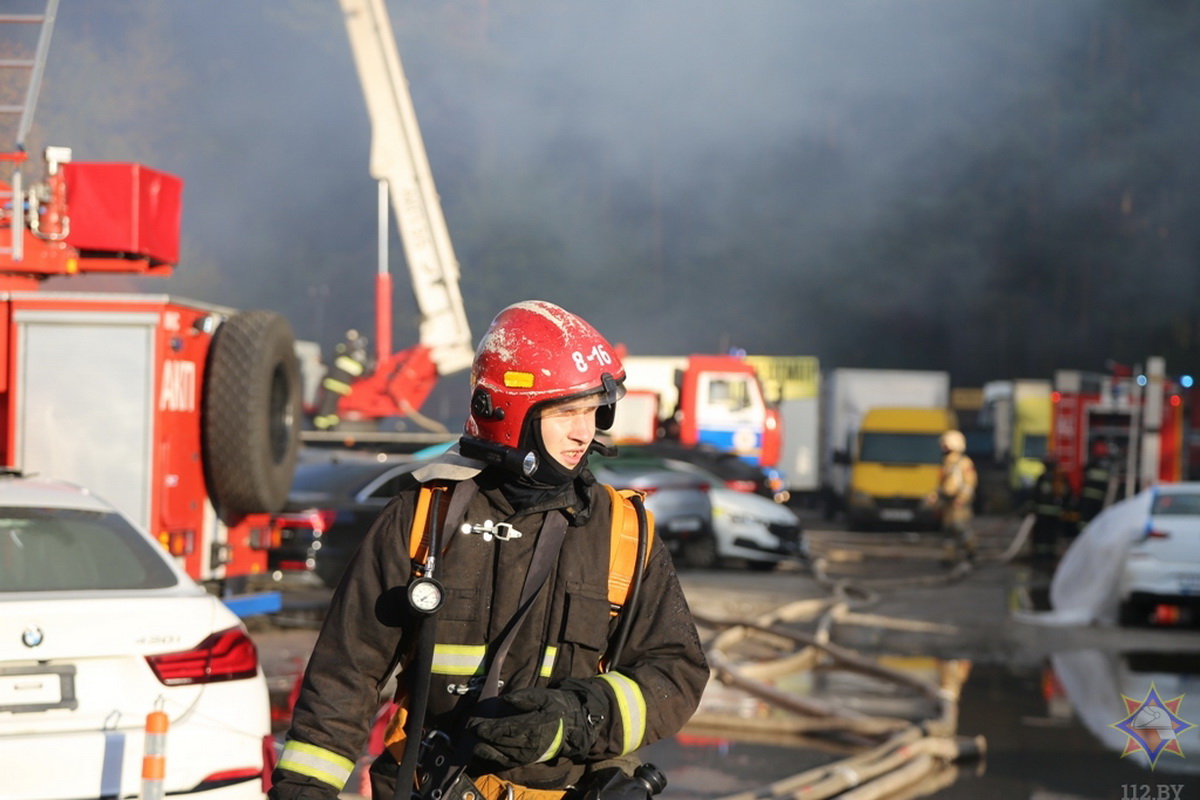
(1051, 507)
(348, 365)
(955, 495)
(1097, 479)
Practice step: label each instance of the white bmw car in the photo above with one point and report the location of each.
(99, 628)
(1160, 579)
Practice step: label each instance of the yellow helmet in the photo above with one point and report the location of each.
(954, 441)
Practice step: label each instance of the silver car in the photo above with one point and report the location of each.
(679, 501)
(705, 524)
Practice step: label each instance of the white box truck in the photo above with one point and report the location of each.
(847, 395)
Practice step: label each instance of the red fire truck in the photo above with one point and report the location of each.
(184, 415)
(1138, 416)
(714, 400)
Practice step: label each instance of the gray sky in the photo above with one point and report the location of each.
(691, 171)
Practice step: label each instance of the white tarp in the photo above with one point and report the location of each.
(1084, 588)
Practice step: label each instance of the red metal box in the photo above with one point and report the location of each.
(124, 208)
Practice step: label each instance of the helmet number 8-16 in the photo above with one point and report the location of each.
(598, 355)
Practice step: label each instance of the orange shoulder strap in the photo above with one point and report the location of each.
(622, 559)
(418, 537)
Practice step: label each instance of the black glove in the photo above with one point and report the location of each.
(538, 724)
(290, 786)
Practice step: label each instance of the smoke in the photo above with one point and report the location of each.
(989, 188)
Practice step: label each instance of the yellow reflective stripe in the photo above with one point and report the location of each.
(548, 661)
(458, 659)
(316, 762)
(554, 747)
(349, 365)
(336, 386)
(633, 709)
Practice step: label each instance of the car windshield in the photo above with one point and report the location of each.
(901, 448)
(1175, 505)
(57, 549)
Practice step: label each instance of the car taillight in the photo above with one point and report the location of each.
(740, 485)
(226, 656)
(1166, 615)
(317, 520)
(1153, 534)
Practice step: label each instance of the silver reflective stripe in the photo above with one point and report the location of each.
(316, 762)
(548, 661)
(458, 659)
(633, 709)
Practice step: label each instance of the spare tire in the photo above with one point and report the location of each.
(251, 435)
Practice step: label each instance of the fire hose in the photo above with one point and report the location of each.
(895, 758)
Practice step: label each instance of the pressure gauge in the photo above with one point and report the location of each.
(425, 595)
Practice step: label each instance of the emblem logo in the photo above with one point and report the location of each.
(1152, 726)
(32, 636)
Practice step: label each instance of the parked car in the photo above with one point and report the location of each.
(333, 501)
(759, 531)
(741, 527)
(679, 500)
(1160, 577)
(733, 471)
(98, 628)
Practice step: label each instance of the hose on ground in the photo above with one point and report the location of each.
(894, 758)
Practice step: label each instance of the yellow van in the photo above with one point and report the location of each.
(895, 467)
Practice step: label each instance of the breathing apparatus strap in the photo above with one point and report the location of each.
(420, 669)
(545, 556)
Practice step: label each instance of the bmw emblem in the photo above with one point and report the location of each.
(32, 636)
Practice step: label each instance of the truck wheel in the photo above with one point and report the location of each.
(700, 552)
(251, 430)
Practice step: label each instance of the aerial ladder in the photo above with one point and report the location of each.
(401, 381)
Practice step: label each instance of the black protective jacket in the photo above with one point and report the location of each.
(652, 692)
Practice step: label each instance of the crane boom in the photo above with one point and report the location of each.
(398, 159)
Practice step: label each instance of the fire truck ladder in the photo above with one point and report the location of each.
(11, 202)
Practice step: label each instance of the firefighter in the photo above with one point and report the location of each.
(1050, 504)
(1097, 479)
(349, 364)
(955, 495)
(522, 716)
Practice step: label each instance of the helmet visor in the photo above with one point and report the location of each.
(603, 397)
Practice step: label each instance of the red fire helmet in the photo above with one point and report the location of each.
(535, 353)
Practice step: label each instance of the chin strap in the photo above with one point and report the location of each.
(600, 448)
